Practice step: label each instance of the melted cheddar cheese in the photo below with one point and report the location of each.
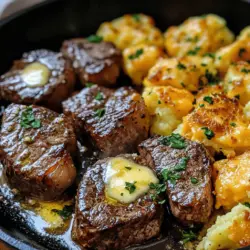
(130, 30)
(126, 181)
(197, 35)
(167, 106)
(230, 231)
(187, 72)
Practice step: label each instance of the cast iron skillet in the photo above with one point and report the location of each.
(48, 24)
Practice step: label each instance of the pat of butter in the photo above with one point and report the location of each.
(126, 181)
(35, 75)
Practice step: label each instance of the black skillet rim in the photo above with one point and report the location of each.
(6, 237)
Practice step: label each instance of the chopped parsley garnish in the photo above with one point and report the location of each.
(208, 133)
(244, 70)
(129, 168)
(174, 141)
(159, 102)
(170, 175)
(237, 97)
(182, 165)
(212, 55)
(203, 64)
(99, 96)
(247, 204)
(28, 119)
(100, 112)
(130, 187)
(233, 124)
(202, 105)
(212, 79)
(159, 189)
(181, 66)
(65, 213)
(121, 194)
(192, 39)
(194, 180)
(95, 39)
(194, 51)
(136, 17)
(188, 236)
(136, 54)
(241, 51)
(208, 99)
(89, 84)
(183, 85)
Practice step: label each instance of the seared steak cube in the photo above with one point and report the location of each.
(39, 77)
(36, 145)
(102, 222)
(97, 62)
(186, 167)
(116, 120)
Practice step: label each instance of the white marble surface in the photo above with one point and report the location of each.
(8, 7)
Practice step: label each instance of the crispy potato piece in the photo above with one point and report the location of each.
(130, 30)
(167, 105)
(197, 35)
(139, 59)
(190, 72)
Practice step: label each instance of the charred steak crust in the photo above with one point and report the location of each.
(123, 124)
(38, 161)
(190, 203)
(99, 63)
(99, 224)
(59, 87)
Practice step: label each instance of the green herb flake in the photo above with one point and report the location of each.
(136, 54)
(170, 175)
(247, 204)
(208, 99)
(194, 180)
(121, 194)
(65, 213)
(89, 84)
(173, 141)
(211, 78)
(181, 66)
(159, 189)
(188, 236)
(183, 85)
(211, 55)
(194, 51)
(136, 17)
(130, 187)
(182, 165)
(244, 70)
(100, 113)
(233, 124)
(202, 105)
(99, 96)
(241, 51)
(208, 133)
(192, 39)
(95, 39)
(159, 102)
(128, 168)
(203, 64)
(28, 119)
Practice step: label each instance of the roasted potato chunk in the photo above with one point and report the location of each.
(167, 106)
(130, 30)
(190, 72)
(217, 122)
(197, 35)
(231, 231)
(232, 184)
(237, 51)
(139, 59)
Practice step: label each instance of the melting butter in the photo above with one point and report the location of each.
(35, 75)
(126, 181)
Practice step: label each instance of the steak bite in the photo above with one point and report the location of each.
(36, 146)
(94, 61)
(40, 77)
(187, 168)
(112, 213)
(116, 120)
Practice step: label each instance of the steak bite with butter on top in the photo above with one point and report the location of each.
(40, 77)
(186, 167)
(36, 145)
(116, 120)
(93, 60)
(114, 208)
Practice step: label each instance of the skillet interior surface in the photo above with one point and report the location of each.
(48, 24)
